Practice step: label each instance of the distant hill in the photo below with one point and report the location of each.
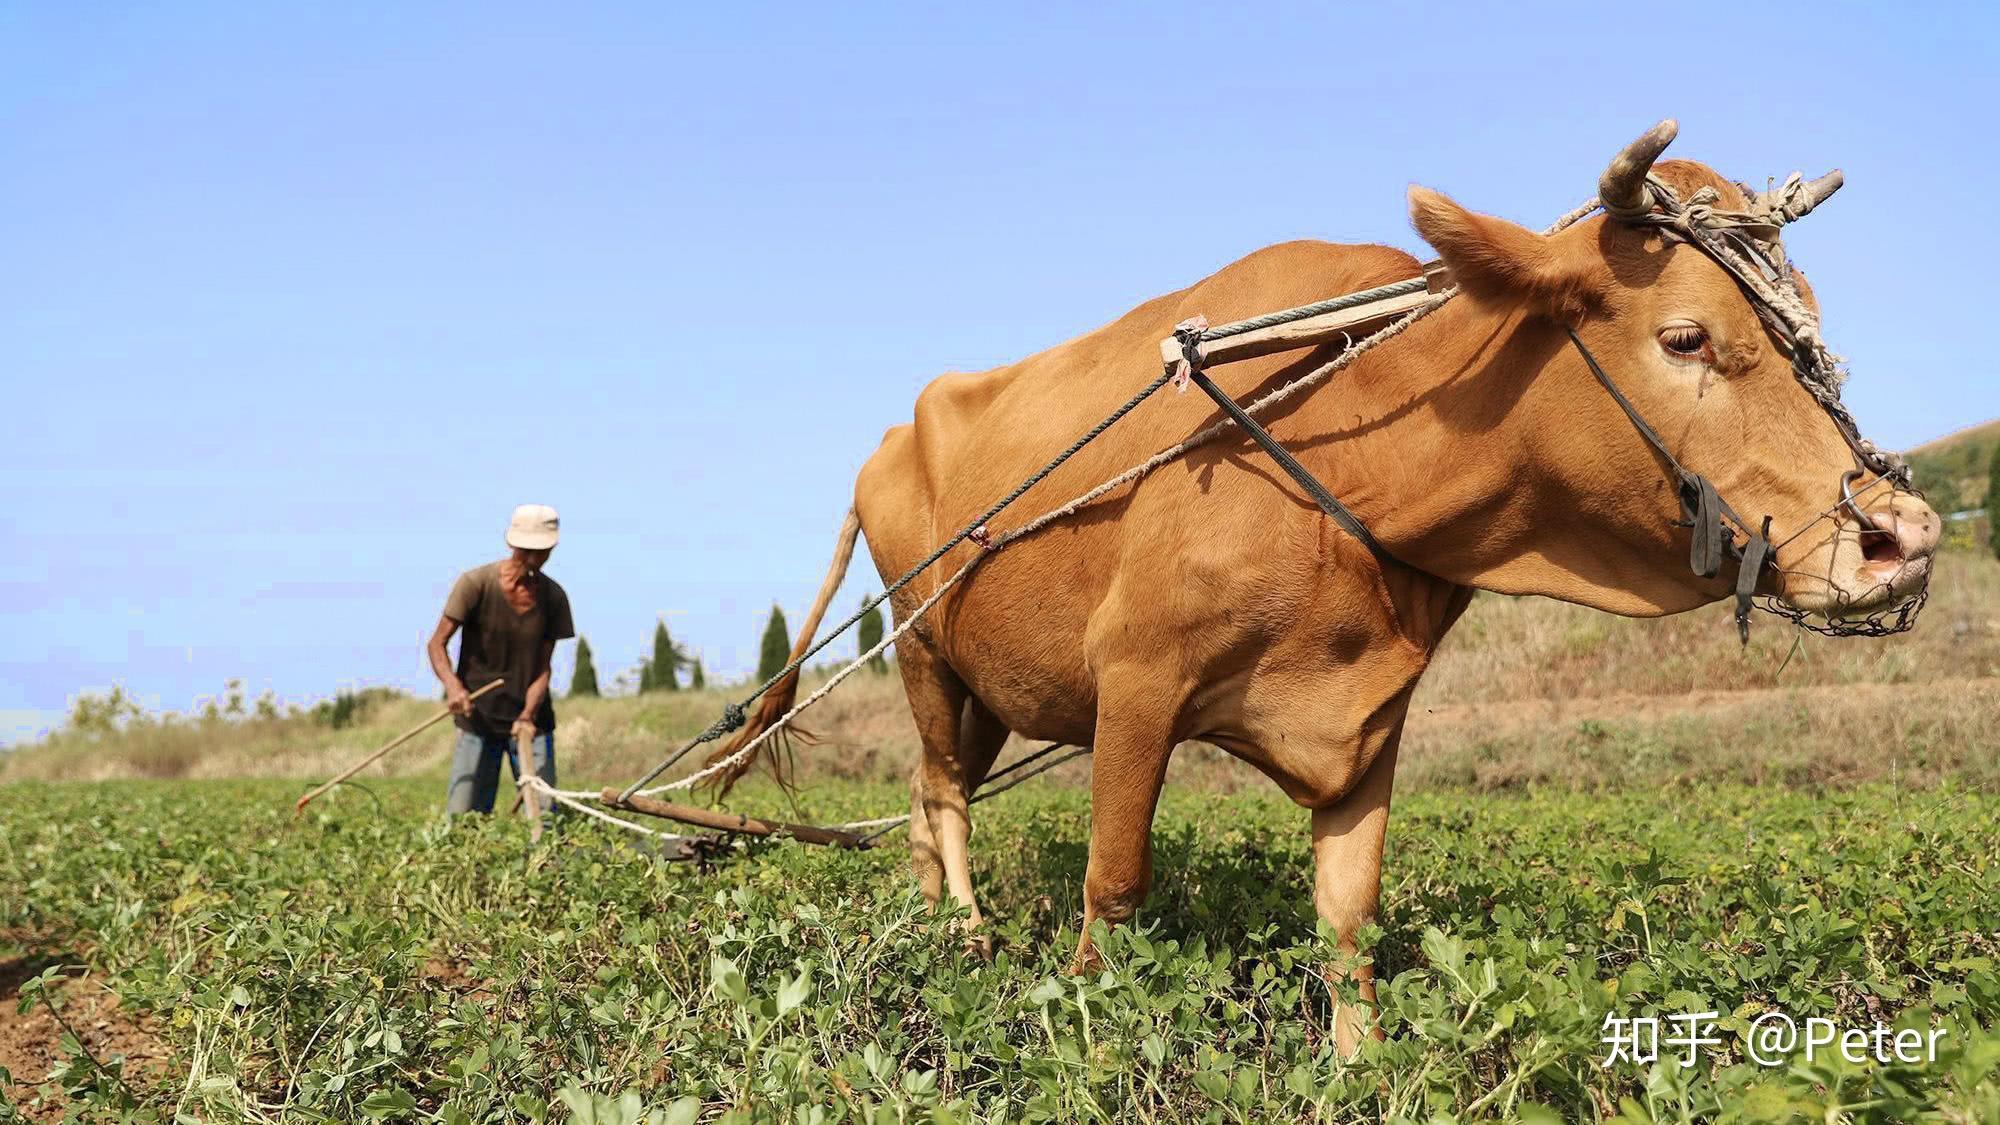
(1952, 470)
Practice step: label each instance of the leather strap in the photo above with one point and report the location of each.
(1328, 503)
(1704, 512)
(1755, 554)
(1703, 518)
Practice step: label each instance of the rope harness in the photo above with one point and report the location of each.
(1744, 243)
(1191, 334)
(1747, 246)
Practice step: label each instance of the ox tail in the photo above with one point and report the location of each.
(774, 703)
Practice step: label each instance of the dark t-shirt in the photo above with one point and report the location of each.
(498, 642)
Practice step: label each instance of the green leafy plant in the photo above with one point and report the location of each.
(365, 965)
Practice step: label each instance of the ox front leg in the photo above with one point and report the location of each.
(925, 860)
(1128, 765)
(1347, 885)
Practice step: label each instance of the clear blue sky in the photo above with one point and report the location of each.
(296, 301)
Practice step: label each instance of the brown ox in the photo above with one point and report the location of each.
(1213, 601)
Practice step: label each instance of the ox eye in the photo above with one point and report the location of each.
(1687, 341)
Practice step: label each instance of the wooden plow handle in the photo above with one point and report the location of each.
(377, 756)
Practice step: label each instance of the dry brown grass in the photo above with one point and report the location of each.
(1509, 649)
(1524, 691)
(866, 726)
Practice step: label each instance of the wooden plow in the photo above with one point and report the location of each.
(1356, 321)
(732, 822)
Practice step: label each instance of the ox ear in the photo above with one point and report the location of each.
(1498, 261)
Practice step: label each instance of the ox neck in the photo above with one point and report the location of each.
(1429, 441)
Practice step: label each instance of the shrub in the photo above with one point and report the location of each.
(347, 708)
(1993, 501)
(776, 650)
(869, 634)
(584, 680)
(92, 715)
(663, 671)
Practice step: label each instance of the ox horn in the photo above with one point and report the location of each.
(1795, 200)
(1622, 188)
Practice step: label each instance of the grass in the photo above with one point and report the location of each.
(1531, 648)
(373, 963)
(1595, 817)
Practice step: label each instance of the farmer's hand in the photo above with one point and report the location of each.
(457, 699)
(524, 733)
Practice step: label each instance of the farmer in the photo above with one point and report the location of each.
(513, 615)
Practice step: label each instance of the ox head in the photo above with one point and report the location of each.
(1591, 508)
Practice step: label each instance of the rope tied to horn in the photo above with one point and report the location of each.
(1746, 244)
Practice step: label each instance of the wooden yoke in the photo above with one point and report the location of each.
(1314, 330)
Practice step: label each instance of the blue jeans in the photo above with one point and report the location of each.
(475, 768)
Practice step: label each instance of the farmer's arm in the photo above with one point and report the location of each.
(459, 606)
(560, 627)
(455, 696)
(538, 688)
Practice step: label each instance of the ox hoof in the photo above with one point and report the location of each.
(1087, 961)
(978, 941)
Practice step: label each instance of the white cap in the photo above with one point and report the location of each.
(533, 527)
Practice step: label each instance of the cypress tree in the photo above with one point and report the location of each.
(777, 646)
(584, 680)
(697, 679)
(1993, 502)
(666, 660)
(869, 632)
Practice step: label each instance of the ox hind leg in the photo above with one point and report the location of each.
(1347, 883)
(960, 739)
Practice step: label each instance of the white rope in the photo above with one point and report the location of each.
(832, 682)
(1158, 459)
(878, 822)
(569, 797)
(1171, 453)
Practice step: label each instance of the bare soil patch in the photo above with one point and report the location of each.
(29, 1042)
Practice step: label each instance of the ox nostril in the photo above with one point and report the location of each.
(1879, 545)
(1898, 535)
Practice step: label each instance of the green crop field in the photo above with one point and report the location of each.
(369, 961)
(1597, 818)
